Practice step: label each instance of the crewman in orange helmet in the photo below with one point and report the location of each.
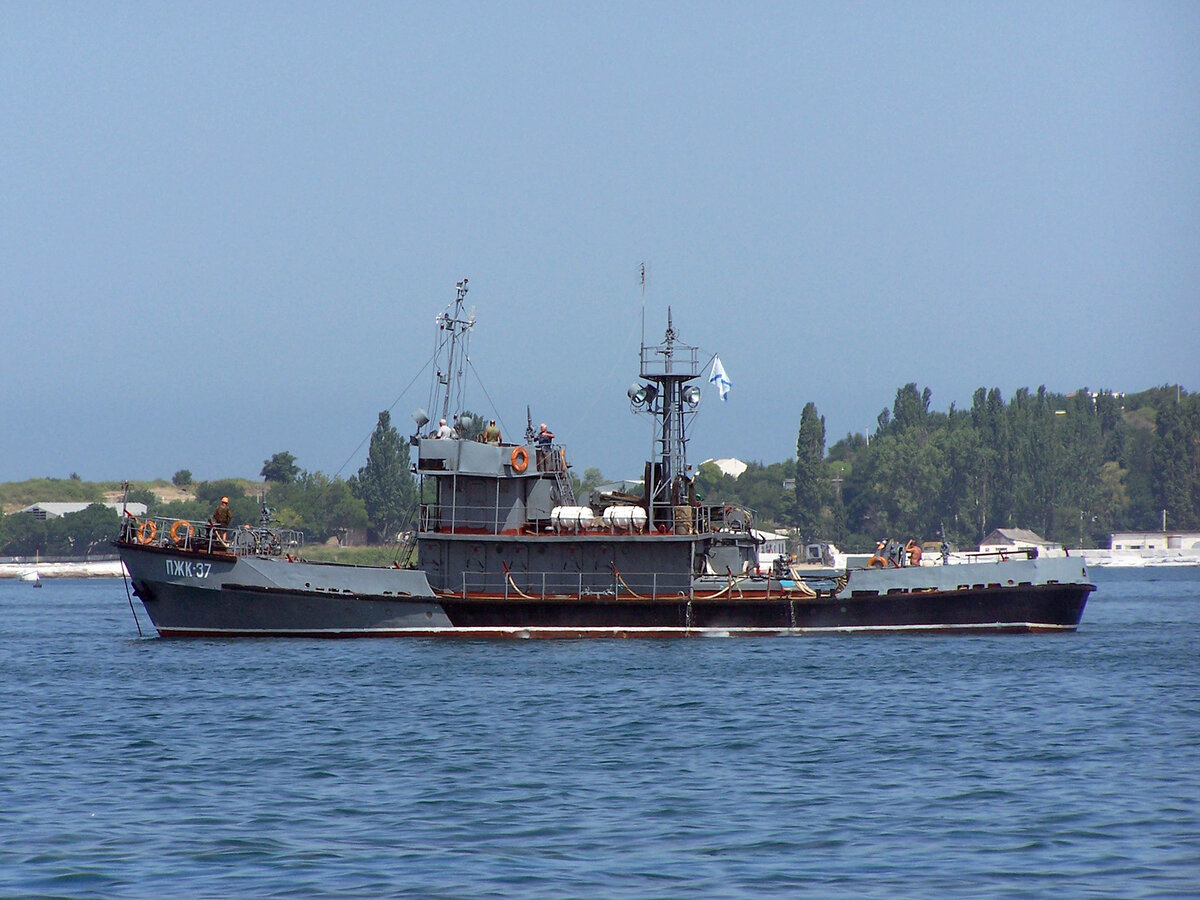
(221, 517)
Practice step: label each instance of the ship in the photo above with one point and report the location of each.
(502, 548)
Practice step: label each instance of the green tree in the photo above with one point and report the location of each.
(1081, 436)
(910, 408)
(192, 510)
(281, 468)
(1137, 458)
(1113, 500)
(182, 478)
(991, 484)
(385, 484)
(22, 535)
(810, 457)
(470, 425)
(1073, 467)
(143, 495)
(712, 485)
(967, 464)
(592, 478)
(760, 488)
(75, 534)
(87, 531)
(1176, 460)
(208, 495)
(319, 506)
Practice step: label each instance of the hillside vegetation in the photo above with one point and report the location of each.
(1073, 467)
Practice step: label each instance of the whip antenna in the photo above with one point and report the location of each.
(643, 269)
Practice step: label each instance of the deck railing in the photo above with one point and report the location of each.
(490, 519)
(207, 537)
(1002, 555)
(585, 585)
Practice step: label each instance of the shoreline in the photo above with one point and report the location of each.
(106, 568)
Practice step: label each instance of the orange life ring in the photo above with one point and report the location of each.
(147, 532)
(520, 459)
(877, 562)
(179, 526)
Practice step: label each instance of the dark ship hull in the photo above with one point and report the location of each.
(222, 595)
(1048, 608)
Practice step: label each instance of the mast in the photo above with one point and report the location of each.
(664, 393)
(454, 333)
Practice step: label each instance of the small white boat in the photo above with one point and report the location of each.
(34, 577)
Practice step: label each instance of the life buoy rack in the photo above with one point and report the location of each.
(147, 532)
(520, 459)
(179, 526)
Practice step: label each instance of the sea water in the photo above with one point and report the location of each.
(834, 766)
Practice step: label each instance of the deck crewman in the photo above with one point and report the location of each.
(221, 517)
(544, 440)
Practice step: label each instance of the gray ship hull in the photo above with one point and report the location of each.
(187, 594)
(191, 595)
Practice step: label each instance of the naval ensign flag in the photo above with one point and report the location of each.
(718, 377)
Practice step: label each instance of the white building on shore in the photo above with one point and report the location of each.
(1011, 540)
(1132, 549)
(1155, 540)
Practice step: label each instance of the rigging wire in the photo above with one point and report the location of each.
(459, 399)
(129, 596)
(447, 385)
(438, 341)
(447, 334)
(611, 379)
(491, 402)
(420, 372)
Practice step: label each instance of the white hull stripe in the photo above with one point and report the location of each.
(613, 631)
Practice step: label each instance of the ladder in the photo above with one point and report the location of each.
(555, 461)
(566, 494)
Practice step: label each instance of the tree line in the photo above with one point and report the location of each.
(379, 499)
(1073, 467)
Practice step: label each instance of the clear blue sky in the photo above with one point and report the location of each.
(226, 228)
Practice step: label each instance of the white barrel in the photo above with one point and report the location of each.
(625, 517)
(571, 517)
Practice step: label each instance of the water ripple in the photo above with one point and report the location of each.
(838, 767)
